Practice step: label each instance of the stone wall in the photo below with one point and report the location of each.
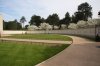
(13, 32)
(86, 32)
(1, 24)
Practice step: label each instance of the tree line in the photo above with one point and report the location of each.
(84, 11)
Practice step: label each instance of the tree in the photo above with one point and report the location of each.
(22, 21)
(26, 27)
(73, 19)
(53, 19)
(99, 13)
(11, 25)
(86, 10)
(18, 25)
(60, 23)
(67, 19)
(36, 20)
(78, 16)
(5, 25)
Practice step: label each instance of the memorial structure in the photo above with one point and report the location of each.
(1, 25)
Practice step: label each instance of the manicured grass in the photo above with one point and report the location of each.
(42, 36)
(26, 54)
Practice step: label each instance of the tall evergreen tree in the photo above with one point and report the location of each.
(67, 18)
(22, 21)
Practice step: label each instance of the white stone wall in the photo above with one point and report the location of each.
(13, 32)
(1, 24)
(86, 32)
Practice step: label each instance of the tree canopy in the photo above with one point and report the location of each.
(22, 21)
(36, 20)
(86, 10)
(53, 19)
(12, 25)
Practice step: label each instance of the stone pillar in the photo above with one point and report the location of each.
(1, 25)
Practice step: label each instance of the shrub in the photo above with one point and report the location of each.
(56, 27)
(72, 26)
(32, 27)
(45, 26)
(93, 21)
(63, 26)
(82, 24)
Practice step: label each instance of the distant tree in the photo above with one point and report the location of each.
(26, 27)
(19, 26)
(86, 10)
(78, 16)
(22, 21)
(42, 20)
(49, 19)
(73, 19)
(36, 20)
(60, 23)
(99, 13)
(11, 25)
(5, 25)
(67, 19)
(53, 19)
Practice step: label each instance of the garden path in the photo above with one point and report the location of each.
(82, 52)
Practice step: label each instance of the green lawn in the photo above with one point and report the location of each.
(42, 36)
(26, 54)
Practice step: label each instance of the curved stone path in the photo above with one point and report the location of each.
(82, 52)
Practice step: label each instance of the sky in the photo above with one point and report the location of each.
(15, 9)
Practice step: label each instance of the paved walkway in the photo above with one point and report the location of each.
(80, 40)
(37, 41)
(82, 52)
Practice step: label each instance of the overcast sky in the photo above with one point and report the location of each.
(14, 9)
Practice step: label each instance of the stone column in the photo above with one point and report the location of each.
(1, 25)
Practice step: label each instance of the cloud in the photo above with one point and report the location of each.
(7, 17)
(17, 8)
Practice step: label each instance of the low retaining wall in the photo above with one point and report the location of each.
(13, 32)
(86, 32)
